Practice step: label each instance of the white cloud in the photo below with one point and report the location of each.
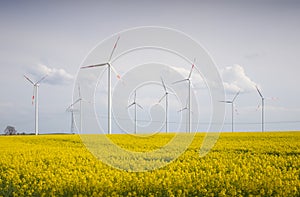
(56, 76)
(235, 79)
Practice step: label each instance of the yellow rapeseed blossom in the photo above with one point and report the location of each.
(240, 164)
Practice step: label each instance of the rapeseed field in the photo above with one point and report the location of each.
(240, 164)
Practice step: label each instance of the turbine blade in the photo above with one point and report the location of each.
(235, 96)
(71, 106)
(225, 101)
(182, 109)
(77, 101)
(236, 111)
(113, 50)
(258, 107)
(92, 66)
(172, 93)
(79, 91)
(114, 70)
(130, 105)
(41, 79)
(180, 81)
(139, 106)
(86, 101)
(163, 83)
(134, 96)
(259, 92)
(190, 73)
(33, 94)
(29, 79)
(162, 98)
(192, 68)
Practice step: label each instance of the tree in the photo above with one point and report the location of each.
(10, 130)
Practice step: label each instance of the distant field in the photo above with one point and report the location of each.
(265, 164)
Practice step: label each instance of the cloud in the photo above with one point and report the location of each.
(56, 76)
(235, 79)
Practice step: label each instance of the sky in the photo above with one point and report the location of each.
(251, 42)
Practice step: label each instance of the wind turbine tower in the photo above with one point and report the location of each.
(188, 79)
(183, 109)
(262, 109)
(72, 110)
(135, 111)
(232, 109)
(110, 68)
(166, 95)
(35, 100)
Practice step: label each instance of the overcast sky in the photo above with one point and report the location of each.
(252, 42)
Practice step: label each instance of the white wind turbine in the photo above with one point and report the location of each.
(72, 110)
(262, 109)
(188, 79)
(166, 94)
(232, 108)
(110, 68)
(35, 99)
(135, 111)
(183, 109)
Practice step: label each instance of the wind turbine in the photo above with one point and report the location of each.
(232, 108)
(167, 102)
(109, 69)
(135, 111)
(71, 109)
(262, 109)
(183, 109)
(188, 79)
(35, 99)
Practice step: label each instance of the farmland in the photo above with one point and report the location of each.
(240, 164)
